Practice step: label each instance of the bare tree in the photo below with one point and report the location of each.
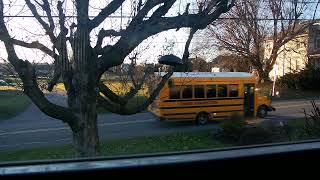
(231, 62)
(81, 74)
(200, 65)
(254, 24)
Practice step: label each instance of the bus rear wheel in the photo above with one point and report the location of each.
(202, 119)
(262, 112)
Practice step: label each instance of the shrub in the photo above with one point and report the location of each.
(256, 135)
(312, 121)
(302, 80)
(232, 128)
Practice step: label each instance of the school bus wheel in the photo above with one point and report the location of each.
(262, 111)
(202, 118)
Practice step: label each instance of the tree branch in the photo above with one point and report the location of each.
(35, 45)
(121, 100)
(105, 33)
(107, 11)
(46, 7)
(142, 13)
(62, 65)
(161, 11)
(45, 26)
(114, 108)
(133, 36)
(27, 74)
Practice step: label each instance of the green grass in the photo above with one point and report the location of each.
(144, 145)
(297, 124)
(166, 143)
(12, 103)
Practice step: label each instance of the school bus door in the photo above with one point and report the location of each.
(249, 100)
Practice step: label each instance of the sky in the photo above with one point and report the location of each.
(28, 29)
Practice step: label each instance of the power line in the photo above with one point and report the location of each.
(221, 18)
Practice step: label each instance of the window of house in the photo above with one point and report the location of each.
(222, 91)
(199, 91)
(187, 92)
(174, 92)
(211, 91)
(233, 90)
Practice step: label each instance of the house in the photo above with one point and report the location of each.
(314, 46)
(297, 53)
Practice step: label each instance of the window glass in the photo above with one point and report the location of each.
(222, 91)
(187, 92)
(233, 90)
(174, 92)
(126, 72)
(199, 91)
(318, 44)
(211, 91)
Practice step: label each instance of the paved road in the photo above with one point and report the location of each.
(32, 128)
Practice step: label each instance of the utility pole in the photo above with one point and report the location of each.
(274, 79)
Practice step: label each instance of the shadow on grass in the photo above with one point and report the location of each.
(12, 103)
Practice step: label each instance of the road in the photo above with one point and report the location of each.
(32, 128)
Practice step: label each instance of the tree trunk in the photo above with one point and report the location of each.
(264, 76)
(86, 139)
(86, 136)
(84, 101)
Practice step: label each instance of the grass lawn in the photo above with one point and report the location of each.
(156, 144)
(12, 103)
(166, 143)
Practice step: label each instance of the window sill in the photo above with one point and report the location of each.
(268, 151)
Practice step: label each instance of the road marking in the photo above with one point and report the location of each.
(127, 122)
(67, 128)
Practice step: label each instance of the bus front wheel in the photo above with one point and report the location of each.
(262, 112)
(202, 118)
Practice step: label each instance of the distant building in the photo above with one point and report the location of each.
(215, 69)
(294, 55)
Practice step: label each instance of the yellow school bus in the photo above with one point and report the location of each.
(204, 96)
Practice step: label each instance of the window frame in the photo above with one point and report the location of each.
(229, 90)
(179, 92)
(182, 89)
(278, 152)
(217, 90)
(206, 94)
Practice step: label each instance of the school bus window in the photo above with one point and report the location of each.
(211, 91)
(222, 91)
(199, 91)
(187, 92)
(174, 92)
(233, 90)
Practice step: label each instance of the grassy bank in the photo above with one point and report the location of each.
(165, 143)
(12, 103)
(144, 145)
